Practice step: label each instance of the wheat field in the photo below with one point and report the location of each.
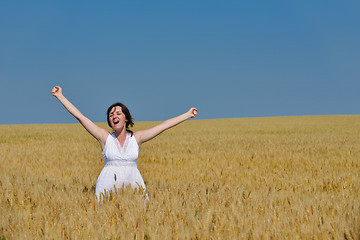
(248, 178)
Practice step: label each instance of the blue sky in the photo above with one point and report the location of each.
(230, 59)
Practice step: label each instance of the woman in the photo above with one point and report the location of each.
(121, 147)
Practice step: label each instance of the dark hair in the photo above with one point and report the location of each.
(126, 112)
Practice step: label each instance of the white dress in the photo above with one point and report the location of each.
(120, 165)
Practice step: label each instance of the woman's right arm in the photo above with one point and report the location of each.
(97, 132)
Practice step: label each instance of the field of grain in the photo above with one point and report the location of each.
(249, 178)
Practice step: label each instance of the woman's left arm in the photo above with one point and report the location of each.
(148, 134)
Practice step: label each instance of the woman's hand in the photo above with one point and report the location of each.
(192, 112)
(56, 91)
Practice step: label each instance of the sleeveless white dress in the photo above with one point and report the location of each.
(120, 165)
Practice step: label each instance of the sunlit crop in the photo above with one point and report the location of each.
(256, 178)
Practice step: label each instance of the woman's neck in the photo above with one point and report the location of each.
(120, 133)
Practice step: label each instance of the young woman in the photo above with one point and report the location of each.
(121, 147)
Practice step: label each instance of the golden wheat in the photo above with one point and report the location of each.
(257, 178)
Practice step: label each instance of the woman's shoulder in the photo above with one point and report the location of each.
(136, 137)
(109, 137)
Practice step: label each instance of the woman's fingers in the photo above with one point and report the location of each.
(56, 90)
(193, 112)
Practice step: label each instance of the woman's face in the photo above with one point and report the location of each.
(117, 118)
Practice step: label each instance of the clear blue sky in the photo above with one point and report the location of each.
(230, 59)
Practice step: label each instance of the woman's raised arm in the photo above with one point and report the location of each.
(148, 134)
(97, 132)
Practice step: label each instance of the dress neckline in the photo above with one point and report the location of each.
(126, 142)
